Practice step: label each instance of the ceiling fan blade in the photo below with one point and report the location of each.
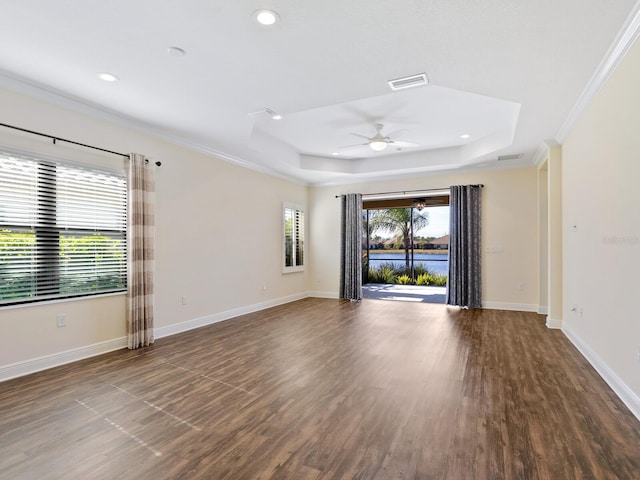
(354, 146)
(397, 133)
(400, 143)
(358, 135)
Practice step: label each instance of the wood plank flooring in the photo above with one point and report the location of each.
(327, 389)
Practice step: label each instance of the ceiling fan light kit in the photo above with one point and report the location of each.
(378, 145)
(419, 203)
(379, 142)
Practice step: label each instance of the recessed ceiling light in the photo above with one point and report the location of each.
(465, 136)
(335, 153)
(176, 52)
(108, 77)
(266, 17)
(277, 117)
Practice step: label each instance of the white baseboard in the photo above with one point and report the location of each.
(323, 295)
(33, 365)
(543, 310)
(220, 317)
(54, 360)
(516, 307)
(554, 323)
(628, 396)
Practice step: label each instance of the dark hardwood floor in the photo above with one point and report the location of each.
(327, 389)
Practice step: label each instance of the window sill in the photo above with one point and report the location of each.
(60, 300)
(292, 269)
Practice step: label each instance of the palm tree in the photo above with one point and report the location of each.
(403, 221)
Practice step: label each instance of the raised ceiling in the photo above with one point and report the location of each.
(507, 73)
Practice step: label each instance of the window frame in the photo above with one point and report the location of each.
(298, 214)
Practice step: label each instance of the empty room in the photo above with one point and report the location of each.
(319, 240)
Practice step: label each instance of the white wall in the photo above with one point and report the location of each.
(219, 236)
(509, 221)
(601, 197)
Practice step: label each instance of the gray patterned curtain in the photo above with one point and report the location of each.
(464, 286)
(141, 229)
(351, 247)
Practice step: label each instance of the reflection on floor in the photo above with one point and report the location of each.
(406, 293)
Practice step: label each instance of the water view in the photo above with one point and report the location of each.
(433, 262)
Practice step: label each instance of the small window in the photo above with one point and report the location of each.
(293, 247)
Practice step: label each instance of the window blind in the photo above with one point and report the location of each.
(299, 237)
(293, 257)
(62, 229)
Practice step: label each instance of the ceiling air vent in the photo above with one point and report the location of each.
(409, 82)
(516, 156)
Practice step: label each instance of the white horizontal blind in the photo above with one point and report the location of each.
(299, 238)
(293, 248)
(62, 229)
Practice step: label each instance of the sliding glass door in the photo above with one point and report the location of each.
(406, 245)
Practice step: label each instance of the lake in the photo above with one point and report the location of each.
(434, 262)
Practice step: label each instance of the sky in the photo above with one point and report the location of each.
(438, 223)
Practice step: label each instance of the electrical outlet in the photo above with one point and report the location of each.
(638, 353)
(521, 286)
(61, 319)
(264, 287)
(185, 300)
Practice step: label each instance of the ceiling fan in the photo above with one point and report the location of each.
(379, 141)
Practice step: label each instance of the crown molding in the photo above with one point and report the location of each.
(541, 154)
(41, 92)
(616, 53)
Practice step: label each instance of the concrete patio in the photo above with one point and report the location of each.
(406, 293)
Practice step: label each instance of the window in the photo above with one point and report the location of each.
(62, 229)
(293, 255)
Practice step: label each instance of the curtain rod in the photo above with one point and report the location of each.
(58, 139)
(404, 192)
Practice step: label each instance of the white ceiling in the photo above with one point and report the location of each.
(508, 73)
